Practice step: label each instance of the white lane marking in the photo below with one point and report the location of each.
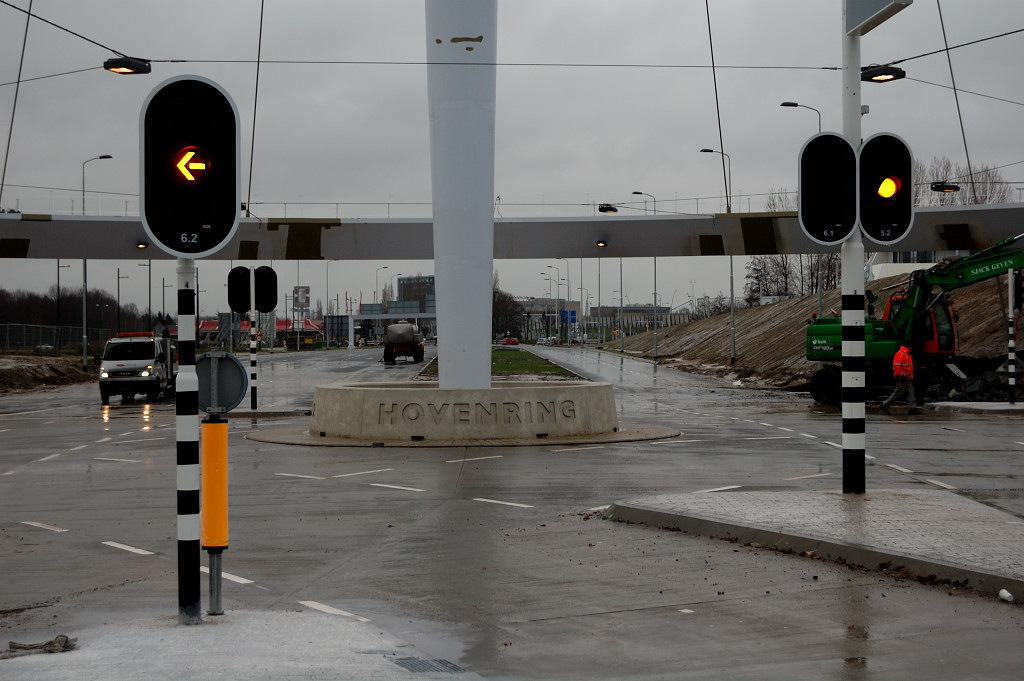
(788, 430)
(503, 503)
(717, 489)
(1020, 443)
(75, 449)
(34, 411)
(577, 449)
(4, 430)
(868, 456)
(145, 439)
(296, 475)
(901, 469)
(686, 611)
(834, 444)
(477, 458)
(805, 477)
(125, 547)
(941, 484)
(105, 439)
(769, 437)
(813, 437)
(349, 475)
(107, 458)
(669, 442)
(227, 575)
(43, 526)
(47, 458)
(407, 489)
(769, 425)
(332, 611)
(130, 432)
(955, 430)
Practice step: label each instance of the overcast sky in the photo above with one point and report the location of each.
(596, 99)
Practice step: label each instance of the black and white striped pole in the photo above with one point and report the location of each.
(252, 338)
(1011, 334)
(187, 422)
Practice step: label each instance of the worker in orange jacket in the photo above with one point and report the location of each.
(903, 373)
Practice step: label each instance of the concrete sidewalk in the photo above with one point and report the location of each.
(931, 535)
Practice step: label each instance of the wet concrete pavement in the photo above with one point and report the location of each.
(498, 561)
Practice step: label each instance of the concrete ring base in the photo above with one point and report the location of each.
(414, 412)
(626, 433)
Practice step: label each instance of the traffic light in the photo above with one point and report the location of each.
(827, 197)
(189, 186)
(266, 289)
(886, 192)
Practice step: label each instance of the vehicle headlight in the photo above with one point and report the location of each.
(145, 372)
(103, 373)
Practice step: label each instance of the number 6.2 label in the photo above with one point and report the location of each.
(189, 238)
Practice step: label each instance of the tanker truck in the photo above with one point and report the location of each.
(402, 339)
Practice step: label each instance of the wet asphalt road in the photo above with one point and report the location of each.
(494, 558)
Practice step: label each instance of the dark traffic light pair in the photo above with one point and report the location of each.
(838, 185)
(240, 298)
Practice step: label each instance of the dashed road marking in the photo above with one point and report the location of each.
(813, 437)
(332, 611)
(717, 489)
(671, 442)
(769, 437)
(125, 547)
(47, 458)
(476, 458)
(901, 469)
(228, 576)
(145, 439)
(956, 430)
(834, 444)
(788, 430)
(805, 477)
(75, 449)
(502, 503)
(349, 475)
(107, 458)
(578, 449)
(406, 489)
(103, 439)
(297, 475)
(686, 611)
(941, 484)
(43, 526)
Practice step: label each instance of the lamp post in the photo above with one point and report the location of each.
(163, 296)
(94, 158)
(376, 282)
(732, 292)
(149, 303)
(558, 301)
(393, 276)
(119, 278)
(59, 268)
(655, 201)
(804, 106)
(568, 301)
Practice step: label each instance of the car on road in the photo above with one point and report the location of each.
(509, 340)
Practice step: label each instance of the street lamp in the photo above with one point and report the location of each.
(95, 158)
(149, 310)
(392, 286)
(732, 292)
(881, 74)
(119, 278)
(126, 65)
(804, 106)
(376, 282)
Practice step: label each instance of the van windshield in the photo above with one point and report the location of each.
(122, 351)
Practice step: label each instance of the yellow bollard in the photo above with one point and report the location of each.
(215, 484)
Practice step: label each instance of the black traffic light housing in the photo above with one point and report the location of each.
(189, 182)
(266, 289)
(827, 197)
(886, 190)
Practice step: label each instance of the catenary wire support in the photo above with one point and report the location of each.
(187, 422)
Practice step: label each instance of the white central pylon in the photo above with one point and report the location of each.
(461, 55)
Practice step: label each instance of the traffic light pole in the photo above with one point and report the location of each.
(186, 411)
(852, 273)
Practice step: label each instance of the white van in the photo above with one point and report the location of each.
(137, 363)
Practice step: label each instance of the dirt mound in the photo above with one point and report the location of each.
(28, 372)
(770, 338)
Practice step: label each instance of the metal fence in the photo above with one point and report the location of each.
(48, 339)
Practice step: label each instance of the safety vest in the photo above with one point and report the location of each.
(903, 364)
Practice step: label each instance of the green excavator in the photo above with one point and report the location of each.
(918, 315)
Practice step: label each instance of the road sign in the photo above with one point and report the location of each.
(223, 382)
(189, 188)
(827, 196)
(864, 15)
(886, 194)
